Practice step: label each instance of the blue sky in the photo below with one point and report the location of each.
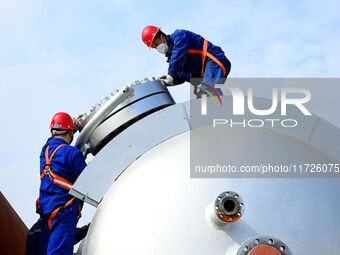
(67, 55)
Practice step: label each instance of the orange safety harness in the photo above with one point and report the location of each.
(204, 52)
(57, 180)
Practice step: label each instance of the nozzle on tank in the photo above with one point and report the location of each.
(229, 207)
(260, 245)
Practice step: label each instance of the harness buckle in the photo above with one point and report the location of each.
(47, 166)
(47, 172)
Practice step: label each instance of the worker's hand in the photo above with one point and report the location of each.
(200, 89)
(167, 79)
(77, 121)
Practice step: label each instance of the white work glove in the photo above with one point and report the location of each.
(78, 121)
(200, 89)
(167, 79)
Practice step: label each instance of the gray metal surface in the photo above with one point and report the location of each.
(148, 204)
(154, 207)
(118, 154)
(134, 141)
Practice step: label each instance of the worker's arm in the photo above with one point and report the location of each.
(77, 121)
(178, 58)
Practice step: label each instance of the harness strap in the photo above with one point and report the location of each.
(204, 52)
(204, 55)
(56, 179)
(49, 159)
(55, 212)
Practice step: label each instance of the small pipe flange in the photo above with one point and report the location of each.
(229, 206)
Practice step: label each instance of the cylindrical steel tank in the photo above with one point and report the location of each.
(154, 207)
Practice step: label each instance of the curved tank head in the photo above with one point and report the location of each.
(149, 203)
(154, 207)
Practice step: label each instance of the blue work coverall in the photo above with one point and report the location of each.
(183, 66)
(68, 162)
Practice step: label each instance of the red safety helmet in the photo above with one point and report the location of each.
(62, 121)
(148, 34)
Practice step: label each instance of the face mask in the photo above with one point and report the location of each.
(162, 48)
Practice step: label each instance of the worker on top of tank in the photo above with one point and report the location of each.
(60, 166)
(189, 56)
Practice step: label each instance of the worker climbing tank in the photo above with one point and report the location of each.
(148, 203)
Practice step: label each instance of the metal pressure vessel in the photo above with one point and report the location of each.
(148, 202)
